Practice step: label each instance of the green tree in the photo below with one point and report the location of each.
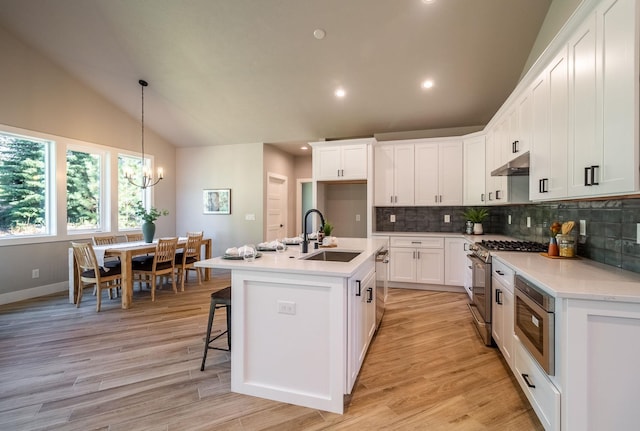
(22, 184)
(83, 190)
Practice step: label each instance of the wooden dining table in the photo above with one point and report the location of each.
(126, 251)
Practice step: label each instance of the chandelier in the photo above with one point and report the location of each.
(147, 175)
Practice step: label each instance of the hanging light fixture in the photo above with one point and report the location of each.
(147, 175)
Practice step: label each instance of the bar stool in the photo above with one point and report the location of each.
(219, 299)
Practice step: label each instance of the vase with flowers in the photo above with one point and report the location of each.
(149, 216)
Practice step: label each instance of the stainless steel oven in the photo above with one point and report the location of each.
(535, 322)
(480, 305)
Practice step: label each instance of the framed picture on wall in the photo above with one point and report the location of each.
(217, 201)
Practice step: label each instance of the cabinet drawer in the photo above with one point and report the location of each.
(544, 397)
(505, 274)
(418, 242)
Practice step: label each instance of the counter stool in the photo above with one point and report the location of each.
(219, 299)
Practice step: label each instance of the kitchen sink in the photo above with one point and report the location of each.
(333, 256)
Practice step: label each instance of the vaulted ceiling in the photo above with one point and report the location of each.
(241, 71)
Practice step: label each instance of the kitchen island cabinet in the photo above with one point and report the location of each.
(300, 329)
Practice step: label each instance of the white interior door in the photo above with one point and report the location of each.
(277, 204)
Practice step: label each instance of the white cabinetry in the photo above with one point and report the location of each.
(474, 171)
(600, 347)
(438, 169)
(502, 309)
(548, 171)
(603, 102)
(539, 390)
(340, 160)
(496, 187)
(455, 260)
(393, 174)
(362, 321)
(417, 260)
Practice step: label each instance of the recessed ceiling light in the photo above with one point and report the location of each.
(428, 1)
(319, 33)
(304, 148)
(427, 84)
(340, 92)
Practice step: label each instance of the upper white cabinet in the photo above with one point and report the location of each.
(392, 185)
(438, 173)
(603, 102)
(418, 172)
(549, 94)
(496, 187)
(341, 160)
(474, 171)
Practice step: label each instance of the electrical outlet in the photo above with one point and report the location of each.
(250, 217)
(286, 307)
(392, 218)
(35, 273)
(528, 221)
(583, 227)
(357, 217)
(447, 218)
(509, 219)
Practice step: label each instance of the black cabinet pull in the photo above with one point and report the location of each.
(543, 185)
(370, 291)
(490, 193)
(499, 272)
(514, 147)
(540, 186)
(498, 296)
(526, 380)
(586, 176)
(359, 293)
(593, 175)
(498, 195)
(481, 197)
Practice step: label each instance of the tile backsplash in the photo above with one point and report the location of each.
(610, 225)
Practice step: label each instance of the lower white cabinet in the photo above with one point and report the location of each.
(361, 321)
(417, 260)
(456, 261)
(540, 391)
(502, 309)
(599, 360)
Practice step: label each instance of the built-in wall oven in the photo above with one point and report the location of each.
(535, 322)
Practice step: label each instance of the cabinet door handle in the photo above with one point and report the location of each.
(370, 291)
(540, 186)
(490, 193)
(416, 242)
(526, 380)
(498, 195)
(414, 254)
(418, 254)
(498, 296)
(359, 292)
(586, 176)
(593, 175)
(481, 197)
(440, 198)
(395, 199)
(435, 197)
(391, 199)
(499, 272)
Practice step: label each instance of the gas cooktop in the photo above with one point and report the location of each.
(526, 246)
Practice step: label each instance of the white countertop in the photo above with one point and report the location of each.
(575, 278)
(290, 262)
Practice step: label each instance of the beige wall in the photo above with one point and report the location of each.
(235, 167)
(37, 95)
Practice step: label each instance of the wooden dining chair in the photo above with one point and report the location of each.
(162, 264)
(130, 237)
(186, 259)
(109, 262)
(89, 272)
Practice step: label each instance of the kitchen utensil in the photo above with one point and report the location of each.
(567, 227)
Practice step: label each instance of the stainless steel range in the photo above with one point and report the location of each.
(480, 258)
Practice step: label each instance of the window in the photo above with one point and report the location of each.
(128, 194)
(84, 191)
(24, 173)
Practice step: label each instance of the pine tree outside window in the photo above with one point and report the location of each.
(84, 191)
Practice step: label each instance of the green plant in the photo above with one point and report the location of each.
(475, 215)
(151, 215)
(327, 229)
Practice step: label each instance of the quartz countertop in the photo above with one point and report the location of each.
(290, 262)
(575, 278)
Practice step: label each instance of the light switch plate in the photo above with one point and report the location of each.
(509, 219)
(447, 218)
(392, 218)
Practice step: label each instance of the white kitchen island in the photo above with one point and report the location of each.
(300, 328)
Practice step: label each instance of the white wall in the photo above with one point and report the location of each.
(235, 167)
(38, 95)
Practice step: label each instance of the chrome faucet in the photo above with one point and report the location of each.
(305, 234)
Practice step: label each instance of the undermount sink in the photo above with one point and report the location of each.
(333, 256)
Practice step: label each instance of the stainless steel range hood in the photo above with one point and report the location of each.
(516, 167)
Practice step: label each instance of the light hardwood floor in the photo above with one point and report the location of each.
(63, 368)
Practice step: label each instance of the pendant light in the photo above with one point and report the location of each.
(147, 175)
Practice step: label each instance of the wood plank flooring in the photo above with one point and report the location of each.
(63, 368)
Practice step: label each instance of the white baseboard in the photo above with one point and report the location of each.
(419, 286)
(34, 292)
